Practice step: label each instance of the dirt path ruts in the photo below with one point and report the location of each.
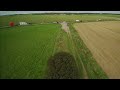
(66, 28)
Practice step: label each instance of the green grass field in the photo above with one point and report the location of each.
(25, 50)
(37, 19)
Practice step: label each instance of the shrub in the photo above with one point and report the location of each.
(62, 66)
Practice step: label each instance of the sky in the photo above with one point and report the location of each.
(27, 12)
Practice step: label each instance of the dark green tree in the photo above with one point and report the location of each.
(62, 66)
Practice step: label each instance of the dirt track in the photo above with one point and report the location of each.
(65, 27)
(103, 40)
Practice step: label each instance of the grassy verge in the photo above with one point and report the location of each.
(64, 43)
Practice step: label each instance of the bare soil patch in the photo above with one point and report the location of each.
(65, 27)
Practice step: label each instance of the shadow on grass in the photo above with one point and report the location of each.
(62, 66)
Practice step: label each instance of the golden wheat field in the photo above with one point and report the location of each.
(103, 40)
